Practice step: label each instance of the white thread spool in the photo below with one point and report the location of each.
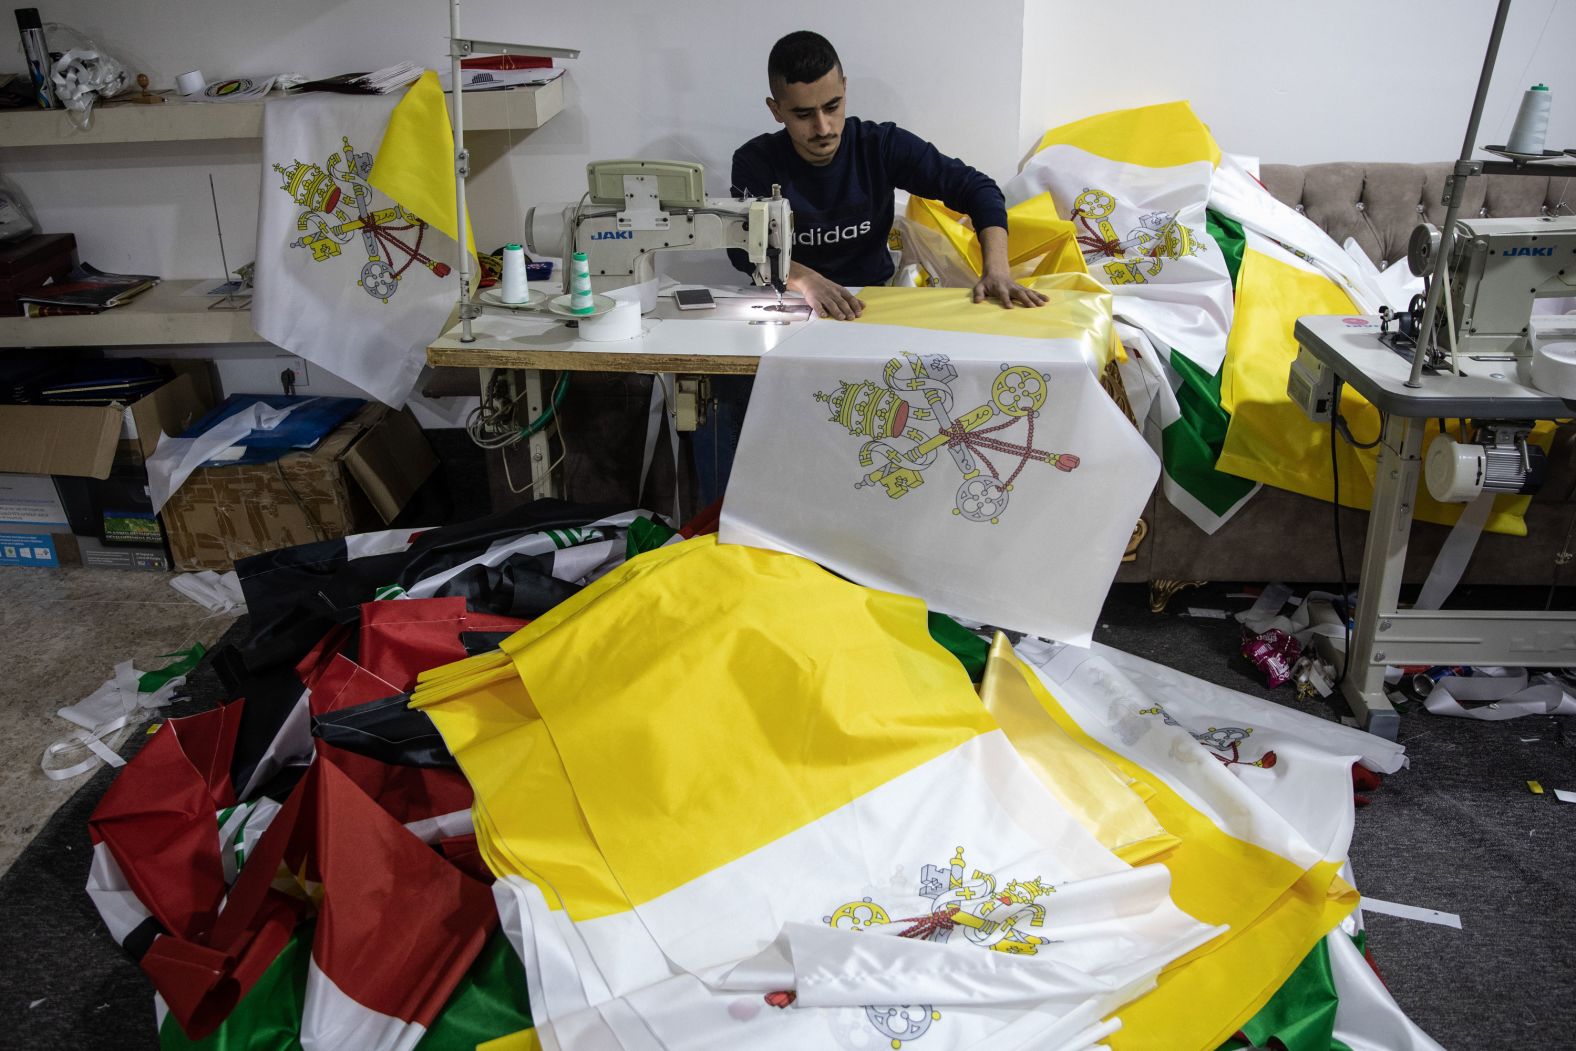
(580, 285)
(514, 287)
(1527, 135)
(191, 83)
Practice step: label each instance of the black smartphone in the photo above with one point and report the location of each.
(693, 299)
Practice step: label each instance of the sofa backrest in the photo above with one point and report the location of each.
(1380, 204)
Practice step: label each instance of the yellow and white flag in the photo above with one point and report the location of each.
(1135, 184)
(349, 277)
(950, 450)
(775, 815)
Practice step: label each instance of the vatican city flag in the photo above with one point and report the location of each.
(949, 450)
(775, 815)
(348, 277)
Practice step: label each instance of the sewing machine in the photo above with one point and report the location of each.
(634, 209)
(1487, 358)
(1498, 268)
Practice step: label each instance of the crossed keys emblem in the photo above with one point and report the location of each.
(1142, 254)
(910, 418)
(337, 207)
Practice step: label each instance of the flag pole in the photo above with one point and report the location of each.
(462, 168)
(460, 48)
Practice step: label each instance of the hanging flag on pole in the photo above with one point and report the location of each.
(350, 278)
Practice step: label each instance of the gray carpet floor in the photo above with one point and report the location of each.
(1458, 831)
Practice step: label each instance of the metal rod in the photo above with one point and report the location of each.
(1457, 188)
(461, 167)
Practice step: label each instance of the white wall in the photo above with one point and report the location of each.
(1294, 82)
(1302, 82)
(680, 79)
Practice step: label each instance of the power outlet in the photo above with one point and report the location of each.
(303, 377)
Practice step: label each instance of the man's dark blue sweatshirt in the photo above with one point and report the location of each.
(842, 211)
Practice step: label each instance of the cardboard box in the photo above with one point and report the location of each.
(113, 518)
(95, 554)
(34, 531)
(84, 440)
(356, 479)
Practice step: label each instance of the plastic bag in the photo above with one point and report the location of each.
(15, 218)
(84, 74)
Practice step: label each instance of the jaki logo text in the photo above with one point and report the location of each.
(613, 235)
(1529, 250)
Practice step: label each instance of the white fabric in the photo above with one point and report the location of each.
(804, 914)
(1495, 698)
(431, 829)
(1396, 284)
(382, 542)
(325, 281)
(292, 745)
(1038, 557)
(101, 713)
(176, 458)
(1234, 192)
(1194, 699)
(1411, 912)
(215, 592)
(1367, 1017)
(118, 905)
(664, 390)
(332, 1021)
(1183, 299)
(1455, 553)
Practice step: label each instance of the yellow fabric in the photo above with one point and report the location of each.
(524, 1040)
(415, 163)
(1040, 244)
(526, 804)
(1038, 240)
(1092, 791)
(1269, 438)
(1077, 308)
(1275, 910)
(731, 685)
(1161, 136)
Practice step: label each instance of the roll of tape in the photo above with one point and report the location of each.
(1554, 368)
(622, 322)
(191, 83)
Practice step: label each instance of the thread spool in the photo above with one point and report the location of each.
(1527, 135)
(514, 288)
(191, 83)
(580, 285)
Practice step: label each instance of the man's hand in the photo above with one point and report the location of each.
(1006, 291)
(827, 298)
(997, 283)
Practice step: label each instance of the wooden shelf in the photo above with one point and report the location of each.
(161, 316)
(519, 109)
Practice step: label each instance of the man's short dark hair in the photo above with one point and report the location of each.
(802, 57)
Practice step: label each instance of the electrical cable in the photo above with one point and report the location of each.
(486, 424)
(563, 452)
(1340, 551)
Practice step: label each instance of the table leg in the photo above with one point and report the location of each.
(544, 482)
(1384, 558)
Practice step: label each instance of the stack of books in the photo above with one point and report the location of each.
(84, 290)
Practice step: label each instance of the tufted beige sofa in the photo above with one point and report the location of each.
(1283, 536)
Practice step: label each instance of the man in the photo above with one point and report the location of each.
(838, 174)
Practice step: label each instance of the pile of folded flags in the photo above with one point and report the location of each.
(565, 777)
